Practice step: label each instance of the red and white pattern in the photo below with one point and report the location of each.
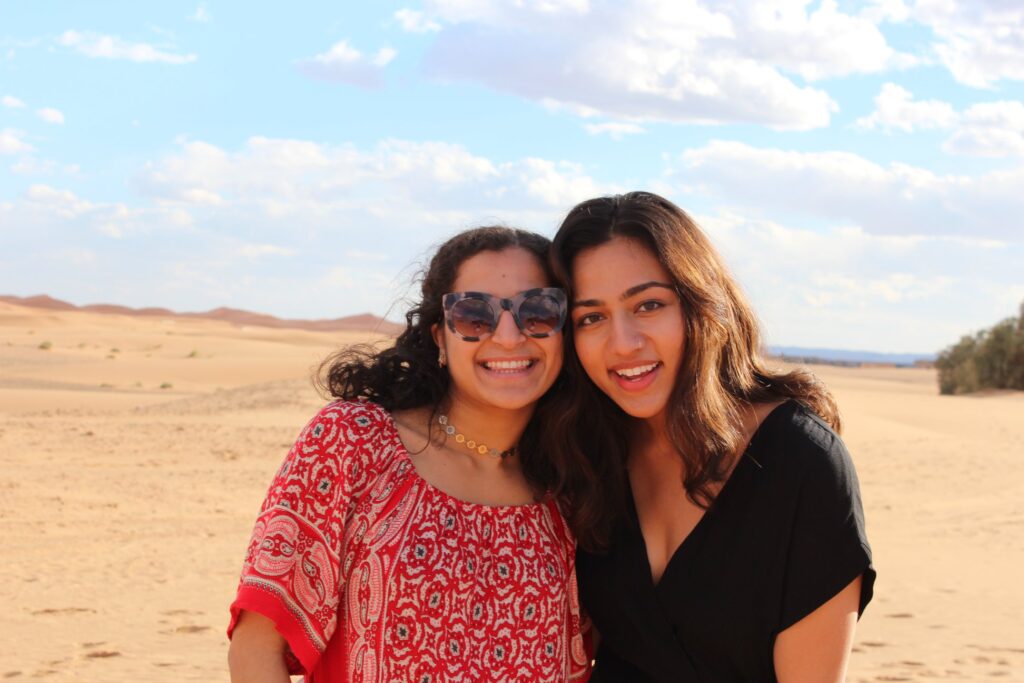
(372, 574)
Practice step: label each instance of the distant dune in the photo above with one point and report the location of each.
(365, 322)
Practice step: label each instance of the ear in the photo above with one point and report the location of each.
(438, 334)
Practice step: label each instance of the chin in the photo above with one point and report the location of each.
(507, 402)
(640, 411)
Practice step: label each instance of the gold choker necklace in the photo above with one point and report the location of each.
(480, 448)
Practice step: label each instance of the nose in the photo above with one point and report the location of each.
(626, 339)
(507, 333)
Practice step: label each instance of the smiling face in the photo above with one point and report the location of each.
(628, 325)
(505, 369)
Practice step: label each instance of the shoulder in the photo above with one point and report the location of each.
(349, 421)
(799, 443)
(357, 434)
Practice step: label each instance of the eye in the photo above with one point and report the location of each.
(649, 306)
(587, 319)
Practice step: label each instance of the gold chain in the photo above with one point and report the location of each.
(480, 448)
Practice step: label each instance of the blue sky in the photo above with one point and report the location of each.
(860, 165)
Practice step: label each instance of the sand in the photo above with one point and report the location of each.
(134, 453)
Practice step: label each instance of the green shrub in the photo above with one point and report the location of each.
(990, 359)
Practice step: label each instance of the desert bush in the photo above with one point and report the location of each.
(989, 359)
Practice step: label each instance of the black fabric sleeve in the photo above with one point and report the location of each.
(828, 547)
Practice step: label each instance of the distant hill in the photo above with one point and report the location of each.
(847, 357)
(365, 322)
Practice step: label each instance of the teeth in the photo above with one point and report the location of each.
(637, 371)
(508, 364)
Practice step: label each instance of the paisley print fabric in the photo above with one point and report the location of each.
(372, 574)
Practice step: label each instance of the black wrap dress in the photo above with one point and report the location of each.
(785, 535)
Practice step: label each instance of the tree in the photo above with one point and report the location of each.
(990, 359)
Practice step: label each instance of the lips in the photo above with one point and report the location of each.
(635, 376)
(636, 372)
(508, 367)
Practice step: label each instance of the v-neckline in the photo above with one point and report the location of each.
(699, 527)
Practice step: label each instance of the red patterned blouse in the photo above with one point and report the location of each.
(372, 574)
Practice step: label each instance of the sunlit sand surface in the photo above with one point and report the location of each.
(134, 453)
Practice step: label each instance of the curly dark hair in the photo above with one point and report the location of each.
(722, 369)
(407, 375)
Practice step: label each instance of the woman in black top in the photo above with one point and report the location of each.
(718, 513)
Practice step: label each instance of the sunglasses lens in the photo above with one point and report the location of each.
(540, 314)
(472, 317)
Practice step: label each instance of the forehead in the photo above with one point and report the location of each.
(502, 273)
(609, 269)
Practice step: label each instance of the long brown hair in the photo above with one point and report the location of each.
(722, 368)
(407, 375)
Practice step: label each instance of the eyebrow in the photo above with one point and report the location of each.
(631, 292)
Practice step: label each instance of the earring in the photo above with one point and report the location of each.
(442, 358)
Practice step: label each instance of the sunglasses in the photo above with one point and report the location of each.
(538, 312)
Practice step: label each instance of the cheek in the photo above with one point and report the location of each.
(554, 351)
(672, 339)
(588, 352)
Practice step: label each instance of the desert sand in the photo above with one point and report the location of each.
(135, 452)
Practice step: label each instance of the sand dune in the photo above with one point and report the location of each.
(135, 451)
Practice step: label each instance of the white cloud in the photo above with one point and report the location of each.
(896, 109)
(615, 130)
(986, 129)
(848, 288)
(29, 166)
(668, 60)
(823, 43)
(878, 11)
(280, 180)
(343, 63)
(981, 42)
(201, 15)
(896, 199)
(112, 47)
(255, 251)
(990, 129)
(12, 102)
(11, 142)
(412, 21)
(63, 203)
(51, 115)
(557, 183)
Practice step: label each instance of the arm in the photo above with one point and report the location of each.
(257, 650)
(816, 648)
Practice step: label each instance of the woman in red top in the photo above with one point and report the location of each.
(411, 533)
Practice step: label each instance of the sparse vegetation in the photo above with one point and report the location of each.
(193, 354)
(989, 359)
(115, 350)
(46, 345)
(166, 385)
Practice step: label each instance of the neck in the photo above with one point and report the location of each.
(652, 442)
(497, 428)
